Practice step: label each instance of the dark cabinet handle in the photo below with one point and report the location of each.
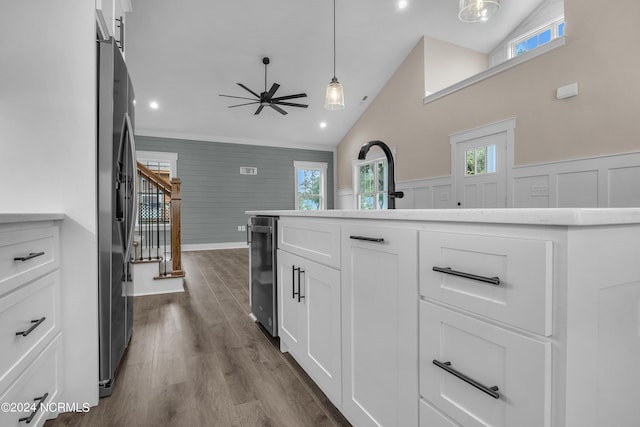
(293, 281)
(367, 239)
(40, 401)
(36, 323)
(491, 391)
(28, 257)
(448, 270)
(300, 272)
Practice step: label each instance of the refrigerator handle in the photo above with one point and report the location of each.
(133, 183)
(248, 234)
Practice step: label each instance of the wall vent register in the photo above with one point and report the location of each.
(245, 170)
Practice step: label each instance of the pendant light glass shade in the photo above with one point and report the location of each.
(478, 10)
(334, 99)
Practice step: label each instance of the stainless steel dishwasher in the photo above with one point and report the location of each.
(262, 235)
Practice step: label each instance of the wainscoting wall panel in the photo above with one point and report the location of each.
(608, 181)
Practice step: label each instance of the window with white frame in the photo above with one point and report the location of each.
(538, 37)
(371, 183)
(153, 205)
(310, 185)
(481, 160)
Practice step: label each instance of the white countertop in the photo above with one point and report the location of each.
(8, 218)
(559, 216)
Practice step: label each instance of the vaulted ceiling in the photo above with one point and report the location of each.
(183, 54)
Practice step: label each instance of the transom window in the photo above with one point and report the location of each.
(481, 160)
(538, 37)
(311, 185)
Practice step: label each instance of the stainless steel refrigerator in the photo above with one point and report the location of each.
(116, 209)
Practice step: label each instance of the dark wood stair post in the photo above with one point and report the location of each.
(176, 252)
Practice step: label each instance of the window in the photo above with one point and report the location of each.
(370, 181)
(481, 160)
(537, 38)
(153, 205)
(310, 185)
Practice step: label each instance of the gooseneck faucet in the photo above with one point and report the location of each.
(391, 185)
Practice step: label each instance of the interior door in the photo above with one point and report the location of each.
(480, 172)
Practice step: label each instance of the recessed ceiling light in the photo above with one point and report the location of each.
(154, 105)
(323, 125)
(402, 4)
(134, 102)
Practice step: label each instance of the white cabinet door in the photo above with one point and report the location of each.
(380, 318)
(291, 317)
(310, 323)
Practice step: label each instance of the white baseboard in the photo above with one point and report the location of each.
(214, 246)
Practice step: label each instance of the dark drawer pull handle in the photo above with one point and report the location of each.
(491, 391)
(36, 323)
(28, 257)
(367, 239)
(448, 270)
(300, 296)
(41, 400)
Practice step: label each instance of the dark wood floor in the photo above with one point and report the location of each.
(197, 359)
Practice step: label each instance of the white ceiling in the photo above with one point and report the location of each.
(183, 54)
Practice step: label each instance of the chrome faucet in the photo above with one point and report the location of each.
(392, 194)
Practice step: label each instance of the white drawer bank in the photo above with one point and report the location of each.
(526, 317)
(31, 360)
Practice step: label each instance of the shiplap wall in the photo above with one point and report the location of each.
(215, 195)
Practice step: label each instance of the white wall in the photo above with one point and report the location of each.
(48, 155)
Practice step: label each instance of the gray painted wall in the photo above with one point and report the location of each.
(215, 195)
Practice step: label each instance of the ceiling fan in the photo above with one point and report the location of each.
(266, 99)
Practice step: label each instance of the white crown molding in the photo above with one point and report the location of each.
(232, 140)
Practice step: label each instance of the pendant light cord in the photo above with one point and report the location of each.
(334, 39)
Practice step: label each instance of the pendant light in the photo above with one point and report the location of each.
(334, 98)
(478, 10)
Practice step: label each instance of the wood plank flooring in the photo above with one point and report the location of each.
(197, 359)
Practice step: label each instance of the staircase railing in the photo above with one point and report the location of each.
(158, 232)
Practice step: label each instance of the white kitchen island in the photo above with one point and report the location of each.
(498, 317)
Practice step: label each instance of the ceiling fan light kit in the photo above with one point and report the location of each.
(266, 99)
(478, 10)
(334, 97)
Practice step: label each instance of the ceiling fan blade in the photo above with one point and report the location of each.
(278, 109)
(249, 90)
(297, 95)
(272, 91)
(239, 97)
(290, 104)
(240, 105)
(258, 110)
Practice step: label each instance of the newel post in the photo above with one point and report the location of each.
(176, 200)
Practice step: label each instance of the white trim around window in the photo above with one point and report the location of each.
(372, 157)
(163, 156)
(319, 166)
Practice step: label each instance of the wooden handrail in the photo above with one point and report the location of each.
(149, 175)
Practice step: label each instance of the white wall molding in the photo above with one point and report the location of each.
(231, 140)
(606, 181)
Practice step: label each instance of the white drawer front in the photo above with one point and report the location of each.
(39, 249)
(21, 311)
(523, 267)
(315, 240)
(44, 375)
(520, 367)
(430, 417)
